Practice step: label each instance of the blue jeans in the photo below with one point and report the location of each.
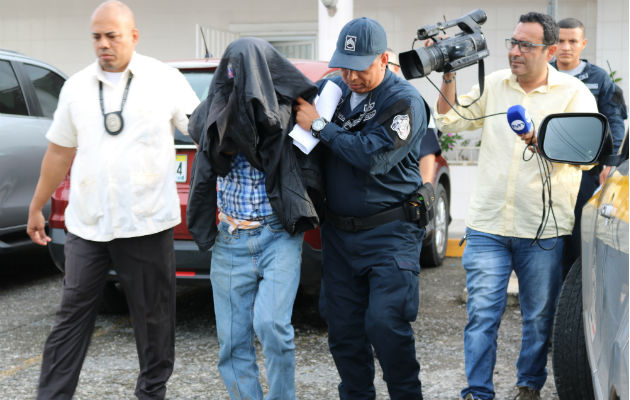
(489, 261)
(255, 275)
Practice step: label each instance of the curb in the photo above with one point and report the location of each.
(453, 249)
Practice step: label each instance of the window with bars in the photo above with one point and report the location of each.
(295, 48)
(292, 46)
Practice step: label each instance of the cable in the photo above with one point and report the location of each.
(455, 109)
(545, 169)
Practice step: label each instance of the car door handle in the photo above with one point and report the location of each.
(606, 210)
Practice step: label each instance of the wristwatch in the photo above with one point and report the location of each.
(317, 126)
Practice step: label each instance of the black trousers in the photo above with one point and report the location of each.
(146, 268)
(369, 297)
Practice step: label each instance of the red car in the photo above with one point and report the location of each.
(192, 265)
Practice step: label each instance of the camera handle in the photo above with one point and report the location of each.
(481, 77)
(481, 86)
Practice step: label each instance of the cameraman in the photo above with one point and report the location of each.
(505, 208)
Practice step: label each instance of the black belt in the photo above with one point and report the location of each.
(418, 209)
(356, 224)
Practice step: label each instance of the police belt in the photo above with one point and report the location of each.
(406, 212)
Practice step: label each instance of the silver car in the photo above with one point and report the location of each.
(29, 91)
(590, 333)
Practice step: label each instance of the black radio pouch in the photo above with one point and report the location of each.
(419, 208)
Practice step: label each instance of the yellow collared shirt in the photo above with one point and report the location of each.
(507, 199)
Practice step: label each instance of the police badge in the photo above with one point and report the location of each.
(113, 121)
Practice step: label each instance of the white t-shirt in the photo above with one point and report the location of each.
(113, 77)
(124, 185)
(577, 70)
(356, 98)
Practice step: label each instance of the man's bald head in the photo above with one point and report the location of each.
(115, 35)
(117, 8)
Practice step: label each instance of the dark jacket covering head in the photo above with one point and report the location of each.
(249, 109)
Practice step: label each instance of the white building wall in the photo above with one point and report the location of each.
(402, 18)
(59, 31)
(330, 22)
(612, 40)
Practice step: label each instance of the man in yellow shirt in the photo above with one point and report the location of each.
(506, 206)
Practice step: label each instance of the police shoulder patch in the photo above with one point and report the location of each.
(398, 122)
(401, 125)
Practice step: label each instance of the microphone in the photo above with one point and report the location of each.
(519, 119)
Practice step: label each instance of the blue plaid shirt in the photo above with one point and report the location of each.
(241, 193)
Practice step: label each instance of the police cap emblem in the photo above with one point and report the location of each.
(351, 42)
(400, 124)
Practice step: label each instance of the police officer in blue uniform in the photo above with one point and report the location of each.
(376, 212)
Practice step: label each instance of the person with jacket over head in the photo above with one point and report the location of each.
(373, 228)
(247, 167)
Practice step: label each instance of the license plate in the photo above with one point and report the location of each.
(181, 163)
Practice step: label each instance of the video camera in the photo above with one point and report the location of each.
(447, 55)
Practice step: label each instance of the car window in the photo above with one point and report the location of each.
(332, 74)
(47, 86)
(11, 97)
(199, 80)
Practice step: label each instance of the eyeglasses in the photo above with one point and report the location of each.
(523, 47)
(393, 64)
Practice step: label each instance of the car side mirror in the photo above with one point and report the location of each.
(575, 138)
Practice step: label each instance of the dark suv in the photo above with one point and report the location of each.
(29, 91)
(193, 266)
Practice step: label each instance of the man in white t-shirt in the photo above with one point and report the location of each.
(114, 125)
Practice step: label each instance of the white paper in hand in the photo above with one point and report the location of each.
(325, 104)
